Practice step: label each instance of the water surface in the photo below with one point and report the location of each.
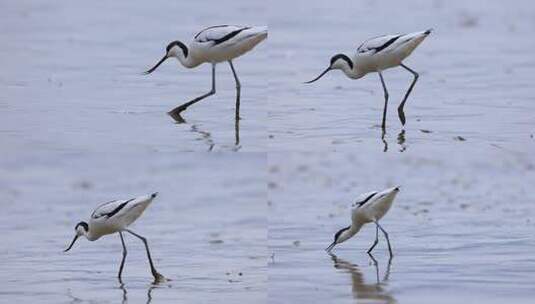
(206, 229)
(476, 71)
(461, 229)
(72, 78)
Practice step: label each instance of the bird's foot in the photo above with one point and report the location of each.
(401, 115)
(158, 278)
(175, 114)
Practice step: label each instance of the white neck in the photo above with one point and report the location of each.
(355, 227)
(90, 236)
(352, 73)
(188, 62)
(347, 234)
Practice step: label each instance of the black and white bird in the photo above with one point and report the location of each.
(213, 45)
(376, 55)
(369, 208)
(116, 216)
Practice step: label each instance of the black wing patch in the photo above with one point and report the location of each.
(384, 46)
(337, 235)
(229, 36)
(117, 209)
(361, 203)
(222, 39)
(381, 47)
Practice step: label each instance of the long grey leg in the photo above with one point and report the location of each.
(387, 273)
(376, 239)
(157, 276)
(376, 267)
(238, 89)
(387, 240)
(402, 104)
(175, 113)
(386, 100)
(124, 256)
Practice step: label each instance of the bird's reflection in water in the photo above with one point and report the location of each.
(125, 297)
(401, 141)
(125, 292)
(385, 143)
(362, 290)
(206, 136)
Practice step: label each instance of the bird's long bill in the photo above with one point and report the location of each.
(72, 243)
(328, 249)
(157, 65)
(321, 75)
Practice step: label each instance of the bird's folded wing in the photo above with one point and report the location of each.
(110, 209)
(219, 34)
(377, 44)
(364, 198)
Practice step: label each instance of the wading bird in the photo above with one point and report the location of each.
(376, 55)
(369, 208)
(116, 216)
(213, 45)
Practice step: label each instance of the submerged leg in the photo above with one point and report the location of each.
(175, 113)
(238, 89)
(387, 240)
(401, 114)
(383, 124)
(237, 133)
(124, 256)
(157, 276)
(376, 239)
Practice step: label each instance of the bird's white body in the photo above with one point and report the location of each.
(370, 207)
(373, 210)
(213, 45)
(378, 54)
(114, 216)
(210, 45)
(384, 52)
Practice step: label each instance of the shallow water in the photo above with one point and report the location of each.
(72, 78)
(80, 125)
(194, 240)
(461, 228)
(476, 70)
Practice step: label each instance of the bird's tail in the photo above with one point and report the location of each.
(261, 29)
(259, 32)
(145, 200)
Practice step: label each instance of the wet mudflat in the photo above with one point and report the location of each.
(461, 228)
(72, 79)
(209, 253)
(475, 76)
(81, 125)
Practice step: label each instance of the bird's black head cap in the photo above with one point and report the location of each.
(180, 45)
(343, 57)
(83, 224)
